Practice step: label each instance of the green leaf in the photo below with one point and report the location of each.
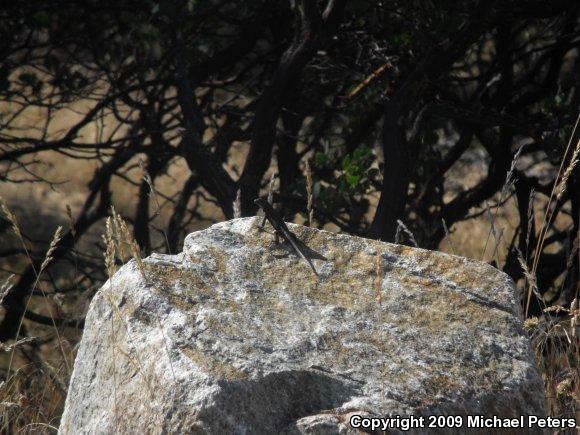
(353, 180)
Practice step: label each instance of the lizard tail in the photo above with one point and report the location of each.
(297, 249)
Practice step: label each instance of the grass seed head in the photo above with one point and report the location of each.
(52, 247)
(10, 216)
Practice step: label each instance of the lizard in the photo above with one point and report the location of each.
(282, 229)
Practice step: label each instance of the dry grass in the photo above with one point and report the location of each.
(555, 338)
(555, 335)
(118, 240)
(31, 397)
(557, 347)
(109, 257)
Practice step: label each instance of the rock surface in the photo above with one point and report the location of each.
(236, 335)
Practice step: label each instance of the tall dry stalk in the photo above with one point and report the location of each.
(71, 221)
(16, 228)
(109, 254)
(531, 215)
(115, 240)
(124, 241)
(47, 260)
(271, 188)
(109, 241)
(44, 401)
(153, 195)
(507, 185)
(116, 223)
(6, 287)
(555, 339)
(561, 188)
(10, 216)
(573, 251)
(497, 234)
(448, 236)
(530, 277)
(309, 194)
(237, 206)
(556, 193)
